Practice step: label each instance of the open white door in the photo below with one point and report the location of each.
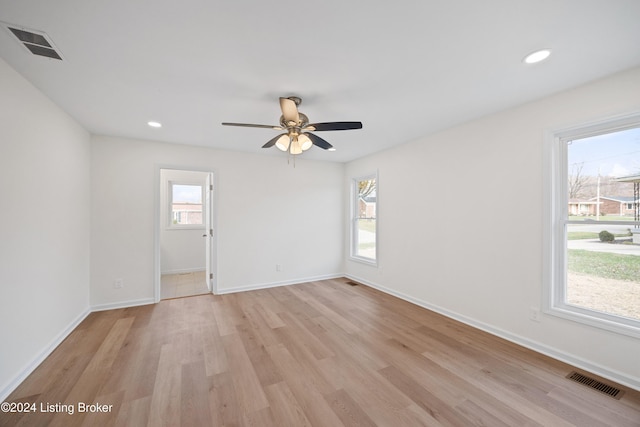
(208, 215)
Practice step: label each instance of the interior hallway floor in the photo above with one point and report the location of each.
(183, 284)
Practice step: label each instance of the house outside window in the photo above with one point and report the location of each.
(592, 264)
(185, 204)
(364, 225)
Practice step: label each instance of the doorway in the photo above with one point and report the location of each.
(185, 249)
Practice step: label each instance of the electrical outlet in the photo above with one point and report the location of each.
(534, 314)
(118, 284)
(278, 267)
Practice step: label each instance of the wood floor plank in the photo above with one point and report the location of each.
(223, 403)
(134, 413)
(316, 410)
(264, 367)
(215, 357)
(592, 404)
(348, 410)
(225, 317)
(260, 418)
(269, 314)
(298, 336)
(285, 408)
(194, 399)
(67, 355)
(438, 409)
(166, 397)
(324, 310)
(419, 417)
(307, 362)
(354, 347)
(316, 354)
(246, 383)
(111, 404)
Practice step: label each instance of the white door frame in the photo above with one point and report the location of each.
(213, 259)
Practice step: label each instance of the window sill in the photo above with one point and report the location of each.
(620, 325)
(362, 260)
(185, 227)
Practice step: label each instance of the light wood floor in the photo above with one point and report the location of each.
(315, 354)
(183, 284)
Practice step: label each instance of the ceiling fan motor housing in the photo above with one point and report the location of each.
(295, 99)
(304, 120)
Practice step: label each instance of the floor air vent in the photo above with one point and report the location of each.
(37, 43)
(352, 283)
(611, 391)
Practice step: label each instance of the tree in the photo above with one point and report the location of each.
(366, 187)
(576, 180)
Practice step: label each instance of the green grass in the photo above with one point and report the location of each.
(602, 218)
(580, 235)
(364, 246)
(602, 264)
(367, 225)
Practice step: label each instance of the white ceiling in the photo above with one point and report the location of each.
(404, 68)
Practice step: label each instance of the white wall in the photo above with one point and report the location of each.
(268, 213)
(181, 249)
(460, 224)
(271, 213)
(44, 226)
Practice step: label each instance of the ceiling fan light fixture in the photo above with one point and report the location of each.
(283, 142)
(305, 142)
(296, 147)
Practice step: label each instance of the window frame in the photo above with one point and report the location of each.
(556, 219)
(170, 224)
(355, 217)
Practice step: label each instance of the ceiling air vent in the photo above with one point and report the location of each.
(37, 43)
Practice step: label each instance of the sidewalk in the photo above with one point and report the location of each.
(595, 245)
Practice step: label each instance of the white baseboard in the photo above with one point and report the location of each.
(123, 304)
(257, 286)
(33, 364)
(570, 359)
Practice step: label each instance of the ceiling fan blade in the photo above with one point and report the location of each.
(250, 125)
(317, 141)
(273, 141)
(289, 110)
(333, 126)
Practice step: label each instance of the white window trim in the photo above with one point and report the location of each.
(354, 220)
(170, 224)
(555, 206)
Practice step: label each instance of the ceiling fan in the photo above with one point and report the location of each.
(297, 137)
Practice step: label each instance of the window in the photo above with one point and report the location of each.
(185, 205)
(364, 225)
(593, 259)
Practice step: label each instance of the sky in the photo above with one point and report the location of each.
(187, 193)
(614, 154)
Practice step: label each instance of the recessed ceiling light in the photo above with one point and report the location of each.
(537, 56)
(155, 124)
